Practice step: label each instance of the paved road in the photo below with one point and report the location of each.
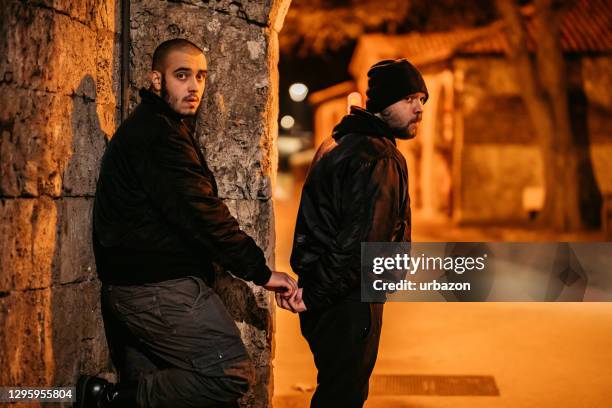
(540, 355)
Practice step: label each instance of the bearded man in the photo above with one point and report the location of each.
(356, 191)
(158, 226)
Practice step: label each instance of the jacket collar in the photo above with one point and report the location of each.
(361, 121)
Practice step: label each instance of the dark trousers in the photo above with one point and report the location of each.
(177, 341)
(344, 341)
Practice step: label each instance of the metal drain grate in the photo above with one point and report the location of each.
(441, 385)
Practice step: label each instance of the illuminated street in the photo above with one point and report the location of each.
(539, 354)
(152, 158)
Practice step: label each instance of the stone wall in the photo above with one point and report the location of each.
(59, 104)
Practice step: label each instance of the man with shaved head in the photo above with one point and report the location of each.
(171, 62)
(158, 227)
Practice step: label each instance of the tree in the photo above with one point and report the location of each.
(572, 198)
(316, 27)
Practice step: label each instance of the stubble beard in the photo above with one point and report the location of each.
(406, 133)
(170, 100)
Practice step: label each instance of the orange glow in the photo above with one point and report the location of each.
(354, 98)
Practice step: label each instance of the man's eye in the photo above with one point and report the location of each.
(180, 76)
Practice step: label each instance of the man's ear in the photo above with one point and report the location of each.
(156, 80)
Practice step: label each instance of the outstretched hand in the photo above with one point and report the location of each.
(282, 284)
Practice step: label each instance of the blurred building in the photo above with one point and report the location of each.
(476, 157)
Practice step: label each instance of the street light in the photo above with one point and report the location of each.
(298, 92)
(354, 98)
(287, 122)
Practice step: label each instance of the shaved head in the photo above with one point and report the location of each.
(177, 44)
(179, 74)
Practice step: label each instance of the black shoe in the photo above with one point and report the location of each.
(96, 392)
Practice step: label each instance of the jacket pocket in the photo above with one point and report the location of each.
(204, 292)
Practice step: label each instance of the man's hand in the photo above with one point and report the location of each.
(294, 303)
(281, 283)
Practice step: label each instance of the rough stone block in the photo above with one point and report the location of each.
(255, 12)
(25, 43)
(27, 243)
(47, 137)
(41, 63)
(107, 15)
(256, 341)
(256, 218)
(88, 144)
(26, 352)
(109, 117)
(237, 138)
(108, 68)
(75, 260)
(41, 52)
(78, 332)
(35, 140)
(95, 14)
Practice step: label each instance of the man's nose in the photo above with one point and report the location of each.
(192, 84)
(418, 106)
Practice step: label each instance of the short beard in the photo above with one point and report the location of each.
(398, 133)
(404, 134)
(166, 96)
(164, 93)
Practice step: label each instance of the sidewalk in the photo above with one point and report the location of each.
(539, 354)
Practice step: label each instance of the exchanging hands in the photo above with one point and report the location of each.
(288, 295)
(293, 303)
(280, 282)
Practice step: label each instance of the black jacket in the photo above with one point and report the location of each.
(356, 191)
(157, 215)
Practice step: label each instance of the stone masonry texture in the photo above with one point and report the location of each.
(60, 96)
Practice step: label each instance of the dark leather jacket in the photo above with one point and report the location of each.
(356, 191)
(157, 215)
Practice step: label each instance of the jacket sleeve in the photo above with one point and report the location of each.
(182, 191)
(372, 197)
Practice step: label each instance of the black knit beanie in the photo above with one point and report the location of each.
(390, 81)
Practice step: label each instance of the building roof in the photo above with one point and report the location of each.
(339, 90)
(586, 28)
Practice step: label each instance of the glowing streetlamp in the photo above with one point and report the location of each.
(298, 92)
(354, 98)
(287, 122)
